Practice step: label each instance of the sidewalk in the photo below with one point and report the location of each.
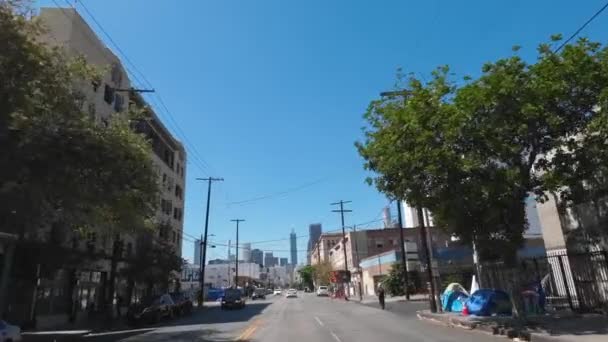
(374, 299)
(563, 327)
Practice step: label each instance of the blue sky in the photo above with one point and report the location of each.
(271, 93)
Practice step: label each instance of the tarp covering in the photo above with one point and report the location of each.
(488, 302)
(453, 298)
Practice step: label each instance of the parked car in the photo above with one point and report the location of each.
(292, 293)
(183, 304)
(233, 298)
(151, 310)
(277, 292)
(269, 291)
(322, 291)
(258, 294)
(9, 333)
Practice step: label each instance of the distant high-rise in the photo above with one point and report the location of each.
(246, 252)
(294, 248)
(275, 261)
(257, 256)
(197, 252)
(386, 217)
(314, 233)
(283, 261)
(268, 259)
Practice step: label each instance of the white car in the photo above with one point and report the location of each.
(292, 293)
(9, 332)
(277, 292)
(322, 291)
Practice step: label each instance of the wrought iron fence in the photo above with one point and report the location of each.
(578, 281)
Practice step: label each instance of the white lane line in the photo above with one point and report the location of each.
(319, 321)
(335, 336)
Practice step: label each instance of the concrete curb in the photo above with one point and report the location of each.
(494, 328)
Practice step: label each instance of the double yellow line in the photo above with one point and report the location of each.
(247, 333)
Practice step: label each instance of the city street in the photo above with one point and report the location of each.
(306, 318)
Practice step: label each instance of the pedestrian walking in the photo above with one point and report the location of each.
(381, 296)
(118, 305)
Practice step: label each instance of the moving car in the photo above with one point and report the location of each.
(151, 310)
(9, 333)
(183, 304)
(292, 293)
(258, 294)
(323, 291)
(233, 298)
(277, 292)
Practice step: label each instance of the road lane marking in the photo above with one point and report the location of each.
(319, 321)
(247, 333)
(335, 336)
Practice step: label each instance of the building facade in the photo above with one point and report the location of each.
(246, 254)
(321, 248)
(197, 251)
(257, 256)
(104, 100)
(269, 260)
(283, 261)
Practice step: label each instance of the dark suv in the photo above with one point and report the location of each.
(233, 298)
(258, 294)
(183, 304)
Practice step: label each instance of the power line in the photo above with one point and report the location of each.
(582, 27)
(280, 193)
(196, 160)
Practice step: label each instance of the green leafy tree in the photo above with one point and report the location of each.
(58, 165)
(473, 153)
(306, 274)
(59, 169)
(322, 273)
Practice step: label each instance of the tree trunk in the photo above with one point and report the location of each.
(112, 281)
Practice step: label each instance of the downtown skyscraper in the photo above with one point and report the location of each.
(314, 233)
(293, 247)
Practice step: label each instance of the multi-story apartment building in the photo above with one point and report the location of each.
(103, 99)
(320, 249)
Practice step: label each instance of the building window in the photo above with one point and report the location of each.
(118, 102)
(174, 237)
(178, 192)
(129, 249)
(379, 243)
(108, 94)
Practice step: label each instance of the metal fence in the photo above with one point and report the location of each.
(576, 281)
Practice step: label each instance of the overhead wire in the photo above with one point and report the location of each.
(138, 81)
(582, 27)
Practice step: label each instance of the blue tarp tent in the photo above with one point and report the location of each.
(453, 301)
(487, 302)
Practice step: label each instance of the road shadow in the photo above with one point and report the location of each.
(215, 315)
(202, 335)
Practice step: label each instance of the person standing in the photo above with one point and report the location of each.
(381, 296)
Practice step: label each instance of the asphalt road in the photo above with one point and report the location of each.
(303, 319)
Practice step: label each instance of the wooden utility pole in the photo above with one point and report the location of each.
(236, 278)
(204, 251)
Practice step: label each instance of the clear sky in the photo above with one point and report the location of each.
(270, 93)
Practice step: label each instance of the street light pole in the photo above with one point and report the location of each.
(236, 278)
(403, 251)
(342, 211)
(204, 251)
